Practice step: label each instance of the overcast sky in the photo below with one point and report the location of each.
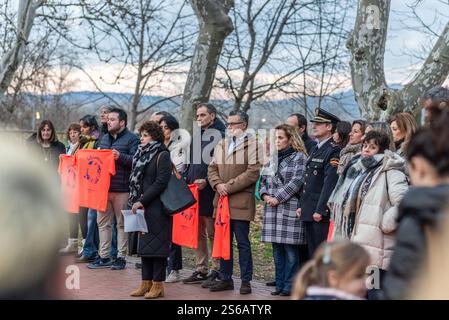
(399, 64)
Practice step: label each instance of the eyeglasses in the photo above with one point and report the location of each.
(233, 123)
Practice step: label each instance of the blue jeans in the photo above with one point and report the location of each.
(175, 258)
(241, 231)
(286, 263)
(90, 248)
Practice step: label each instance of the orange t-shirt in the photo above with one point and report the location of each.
(185, 224)
(69, 182)
(95, 168)
(222, 237)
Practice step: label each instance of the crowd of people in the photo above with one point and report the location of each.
(348, 196)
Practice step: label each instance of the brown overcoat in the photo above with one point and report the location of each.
(239, 170)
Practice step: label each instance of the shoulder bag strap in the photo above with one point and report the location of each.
(174, 170)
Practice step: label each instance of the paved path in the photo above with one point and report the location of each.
(106, 284)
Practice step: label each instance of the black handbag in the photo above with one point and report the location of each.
(177, 196)
(133, 243)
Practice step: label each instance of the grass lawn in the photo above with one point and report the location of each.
(262, 252)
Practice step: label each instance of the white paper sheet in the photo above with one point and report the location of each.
(134, 222)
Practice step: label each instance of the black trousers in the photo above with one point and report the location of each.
(175, 258)
(316, 233)
(77, 221)
(154, 268)
(303, 255)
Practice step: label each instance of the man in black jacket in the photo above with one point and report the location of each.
(209, 132)
(123, 144)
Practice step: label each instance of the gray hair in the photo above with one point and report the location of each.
(209, 106)
(107, 108)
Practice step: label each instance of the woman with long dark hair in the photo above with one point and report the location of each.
(47, 144)
(90, 132)
(354, 145)
(341, 134)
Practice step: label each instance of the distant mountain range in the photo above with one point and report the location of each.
(341, 104)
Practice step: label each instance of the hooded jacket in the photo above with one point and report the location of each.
(375, 223)
(421, 207)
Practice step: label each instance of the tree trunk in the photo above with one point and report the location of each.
(375, 99)
(13, 58)
(367, 46)
(434, 71)
(215, 25)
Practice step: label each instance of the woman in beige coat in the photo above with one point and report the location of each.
(364, 203)
(376, 219)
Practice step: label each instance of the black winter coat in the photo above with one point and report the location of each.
(319, 181)
(199, 170)
(56, 149)
(157, 174)
(420, 207)
(308, 142)
(126, 143)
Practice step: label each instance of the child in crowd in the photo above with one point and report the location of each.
(337, 271)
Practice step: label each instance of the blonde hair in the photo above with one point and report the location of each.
(294, 137)
(406, 124)
(344, 257)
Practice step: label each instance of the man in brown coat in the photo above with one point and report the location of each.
(234, 171)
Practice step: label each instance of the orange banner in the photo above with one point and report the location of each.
(185, 224)
(69, 183)
(222, 238)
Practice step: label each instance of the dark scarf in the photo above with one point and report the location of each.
(142, 157)
(283, 154)
(104, 128)
(398, 144)
(361, 171)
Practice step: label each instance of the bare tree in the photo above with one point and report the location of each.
(214, 26)
(148, 39)
(367, 46)
(12, 57)
(254, 62)
(317, 38)
(34, 77)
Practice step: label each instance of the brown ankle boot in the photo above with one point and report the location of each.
(157, 290)
(145, 286)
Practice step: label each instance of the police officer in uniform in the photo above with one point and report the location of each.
(320, 179)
